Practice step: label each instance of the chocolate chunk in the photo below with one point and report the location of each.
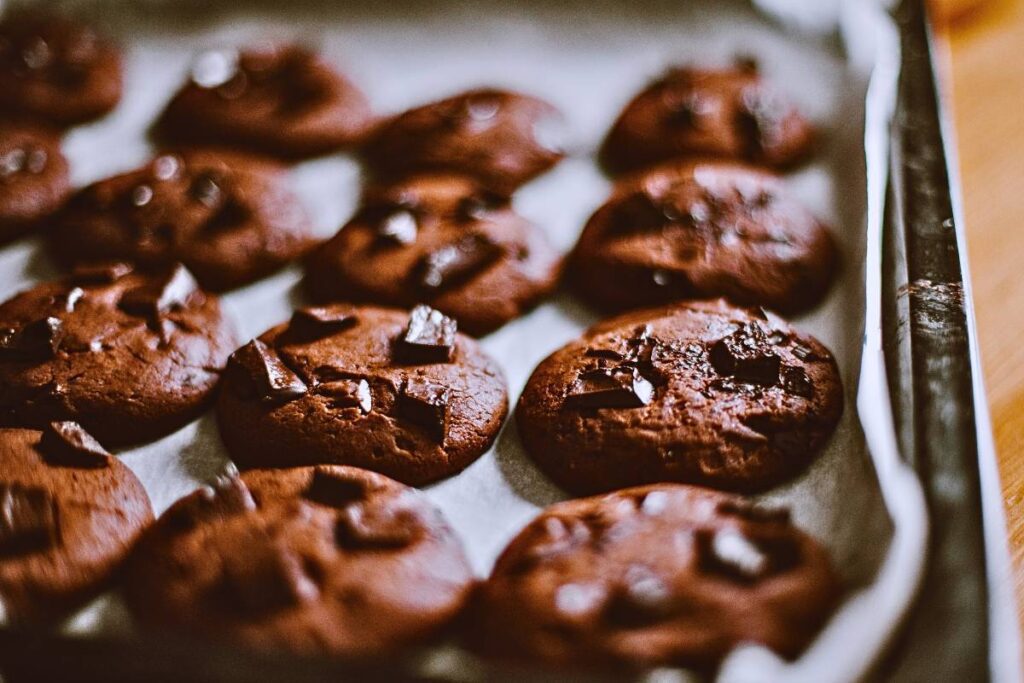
(37, 340)
(476, 206)
(456, 262)
(99, 274)
(264, 375)
(154, 300)
(267, 578)
(425, 403)
(348, 393)
(28, 519)
(428, 338)
(747, 356)
(795, 381)
(804, 352)
(333, 490)
(621, 387)
(606, 354)
(642, 597)
(759, 117)
(308, 324)
(380, 526)
(752, 511)
(398, 227)
(730, 553)
(66, 443)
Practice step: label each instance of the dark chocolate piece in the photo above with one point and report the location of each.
(377, 527)
(621, 387)
(66, 443)
(28, 519)
(100, 274)
(729, 552)
(425, 403)
(398, 227)
(38, 339)
(309, 324)
(456, 262)
(170, 292)
(269, 379)
(476, 206)
(428, 338)
(348, 393)
(333, 490)
(746, 355)
(795, 381)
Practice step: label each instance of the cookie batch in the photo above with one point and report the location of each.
(659, 419)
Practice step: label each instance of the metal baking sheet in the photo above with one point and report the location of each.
(860, 498)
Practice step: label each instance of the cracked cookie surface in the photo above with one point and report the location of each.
(701, 393)
(703, 230)
(325, 560)
(664, 575)
(227, 217)
(396, 392)
(131, 356)
(440, 240)
(69, 514)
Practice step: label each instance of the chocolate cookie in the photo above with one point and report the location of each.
(443, 241)
(55, 69)
(698, 393)
(663, 575)
(33, 177)
(500, 138)
(283, 100)
(328, 560)
(694, 112)
(399, 393)
(228, 219)
(69, 513)
(130, 356)
(703, 230)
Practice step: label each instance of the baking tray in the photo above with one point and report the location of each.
(877, 532)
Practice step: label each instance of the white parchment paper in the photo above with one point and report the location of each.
(588, 58)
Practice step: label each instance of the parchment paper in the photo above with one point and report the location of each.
(588, 58)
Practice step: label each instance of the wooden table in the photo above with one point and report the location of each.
(985, 81)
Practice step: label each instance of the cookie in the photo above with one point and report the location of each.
(733, 113)
(33, 177)
(54, 69)
(69, 514)
(664, 575)
(500, 138)
(443, 241)
(700, 393)
(325, 560)
(129, 355)
(399, 393)
(282, 100)
(703, 230)
(229, 219)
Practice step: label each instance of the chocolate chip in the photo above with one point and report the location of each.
(621, 387)
(72, 298)
(398, 227)
(758, 119)
(309, 324)
(606, 354)
(206, 189)
(67, 443)
(104, 273)
(28, 519)
(262, 374)
(334, 490)
(795, 381)
(348, 393)
(428, 338)
(39, 339)
(268, 577)
(753, 511)
(476, 206)
(156, 298)
(380, 526)
(642, 597)
(425, 404)
(746, 355)
(456, 262)
(730, 553)
(804, 352)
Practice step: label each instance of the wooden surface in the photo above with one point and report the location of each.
(986, 85)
